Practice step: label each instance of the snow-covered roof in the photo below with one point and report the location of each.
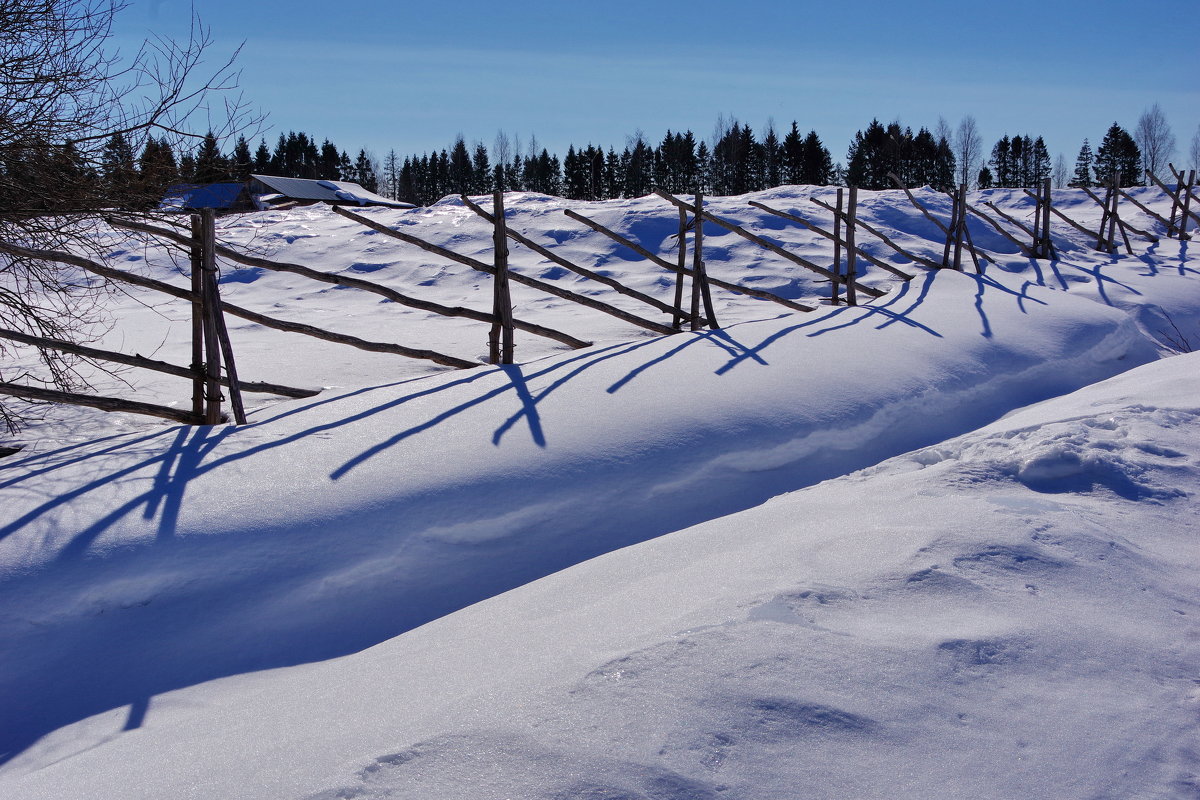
(342, 192)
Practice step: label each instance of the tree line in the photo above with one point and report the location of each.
(737, 161)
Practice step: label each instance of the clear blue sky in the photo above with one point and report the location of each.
(414, 75)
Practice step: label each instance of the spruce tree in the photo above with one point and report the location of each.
(119, 172)
(481, 169)
(328, 162)
(792, 157)
(242, 162)
(816, 163)
(1084, 163)
(211, 166)
(262, 158)
(462, 172)
(1118, 153)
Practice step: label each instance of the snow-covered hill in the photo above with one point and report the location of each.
(1000, 607)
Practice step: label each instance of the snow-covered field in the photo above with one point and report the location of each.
(940, 545)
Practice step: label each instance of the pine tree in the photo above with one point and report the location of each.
(462, 172)
(1001, 162)
(482, 170)
(772, 151)
(575, 179)
(328, 162)
(1084, 163)
(119, 172)
(211, 166)
(262, 158)
(868, 160)
(158, 171)
(985, 178)
(792, 156)
(242, 163)
(816, 163)
(1118, 153)
(390, 187)
(946, 165)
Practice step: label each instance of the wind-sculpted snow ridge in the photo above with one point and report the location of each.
(163, 557)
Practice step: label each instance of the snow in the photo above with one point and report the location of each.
(941, 544)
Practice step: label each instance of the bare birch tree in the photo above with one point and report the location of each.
(64, 94)
(967, 145)
(1154, 139)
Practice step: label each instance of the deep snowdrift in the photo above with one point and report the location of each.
(136, 564)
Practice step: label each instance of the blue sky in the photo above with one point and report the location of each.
(413, 76)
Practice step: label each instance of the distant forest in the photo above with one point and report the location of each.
(736, 161)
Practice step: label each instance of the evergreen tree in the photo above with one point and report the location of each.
(703, 168)
(1084, 164)
(1041, 161)
(328, 162)
(575, 177)
(405, 186)
(262, 158)
(242, 163)
(158, 171)
(772, 150)
(187, 168)
(390, 185)
(1001, 162)
(614, 175)
(211, 166)
(792, 156)
(481, 169)
(868, 160)
(945, 167)
(816, 163)
(119, 172)
(985, 178)
(462, 172)
(1118, 153)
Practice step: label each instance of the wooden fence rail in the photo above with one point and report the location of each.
(353, 283)
(774, 248)
(515, 277)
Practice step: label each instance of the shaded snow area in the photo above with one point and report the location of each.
(940, 545)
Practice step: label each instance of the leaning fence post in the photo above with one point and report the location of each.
(837, 250)
(198, 370)
(501, 339)
(697, 260)
(1187, 201)
(212, 348)
(851, 254)
(677, 316)
(700, 272)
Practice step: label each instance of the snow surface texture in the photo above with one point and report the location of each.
(1007, 613)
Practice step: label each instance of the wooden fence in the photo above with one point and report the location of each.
(213, 367)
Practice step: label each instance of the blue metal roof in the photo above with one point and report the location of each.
(213, 195)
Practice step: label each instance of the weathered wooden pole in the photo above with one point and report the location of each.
(1187, 201)
(837, 250)
(212, 347)
(197, 266)
(501, 339)
(851, 254)
(962, 221)
(1046, 219)
(951, 230)
(1037, 221)
(699, 272)
(677, 316)
(697, 261)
